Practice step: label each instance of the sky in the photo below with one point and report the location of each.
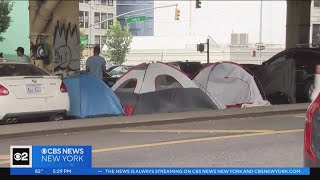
(220, 18)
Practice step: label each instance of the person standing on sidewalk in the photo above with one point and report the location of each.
(23, 57)
(96, 64)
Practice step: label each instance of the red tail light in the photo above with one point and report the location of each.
(3, 91)
(63, 88)
(308, 150)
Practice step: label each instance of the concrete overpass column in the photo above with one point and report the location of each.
(298, 22)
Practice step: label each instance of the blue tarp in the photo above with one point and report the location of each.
(91, 97)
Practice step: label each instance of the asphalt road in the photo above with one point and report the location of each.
(273, 141)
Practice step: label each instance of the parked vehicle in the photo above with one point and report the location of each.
(189, 68)
(109, 80)
(27, 91)
(113, 73)
(311, 148)
(111, 67)
(288, 77)
(119, 70)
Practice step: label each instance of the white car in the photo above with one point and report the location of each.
(27, 92)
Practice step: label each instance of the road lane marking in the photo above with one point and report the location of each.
(192, 140)
(191, 131)
(184, 141)
(5, 162)
(300, 116)
(4, 157)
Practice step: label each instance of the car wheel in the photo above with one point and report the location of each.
(57, 117)
(9, 121)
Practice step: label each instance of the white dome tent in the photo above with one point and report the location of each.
(230, 84)
(159, 87)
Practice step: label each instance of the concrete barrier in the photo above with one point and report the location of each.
(45, 128)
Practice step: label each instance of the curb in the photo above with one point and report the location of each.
(101, 125)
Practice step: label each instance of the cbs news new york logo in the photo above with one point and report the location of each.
(20, 156)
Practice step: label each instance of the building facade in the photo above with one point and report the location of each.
(315, 23)
(184, 48)
(144, 28)
(93, 12)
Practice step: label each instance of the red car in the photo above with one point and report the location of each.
(311, 150)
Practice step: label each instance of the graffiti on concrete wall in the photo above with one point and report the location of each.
(66, 47)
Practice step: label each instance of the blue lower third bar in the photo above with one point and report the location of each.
(160, 171)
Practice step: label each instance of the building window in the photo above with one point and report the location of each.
(315, 34)
(316, 3)
(110, 2)
(86, 19)
(104, 2)
(81, 19)
(87, 1)
(97, 20)
(97, 2)
(103, 41)
(80, 1)
(104, 25)
(110, 22)
(97, 40)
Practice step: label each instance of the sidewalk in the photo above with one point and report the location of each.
(44, 128)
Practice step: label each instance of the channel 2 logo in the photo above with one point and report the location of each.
(21, 156)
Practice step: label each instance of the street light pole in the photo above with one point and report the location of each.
(260, 31)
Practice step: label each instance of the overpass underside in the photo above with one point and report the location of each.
(298, 23)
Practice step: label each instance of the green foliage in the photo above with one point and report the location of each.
(118, 43)
(82, 46)
(5, 19)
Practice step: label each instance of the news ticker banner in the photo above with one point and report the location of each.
(160, 171)
(77, 160)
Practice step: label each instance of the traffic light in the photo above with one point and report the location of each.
(200, 47)
(198, 3)
(177, 14)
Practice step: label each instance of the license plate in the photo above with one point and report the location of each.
(34, 88)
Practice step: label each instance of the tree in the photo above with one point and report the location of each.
(83, 42)
(118, 43)
(5, 9)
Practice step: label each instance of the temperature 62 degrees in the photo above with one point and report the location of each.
(61, 171)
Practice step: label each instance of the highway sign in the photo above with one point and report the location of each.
(261, 47)
(259, 44)
(130, 20)
(84, 40)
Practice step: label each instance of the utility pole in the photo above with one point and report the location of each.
(208, 51)
(90, 29)
(190, 13)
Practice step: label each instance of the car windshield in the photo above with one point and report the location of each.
(21, 70)
(115, 71)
